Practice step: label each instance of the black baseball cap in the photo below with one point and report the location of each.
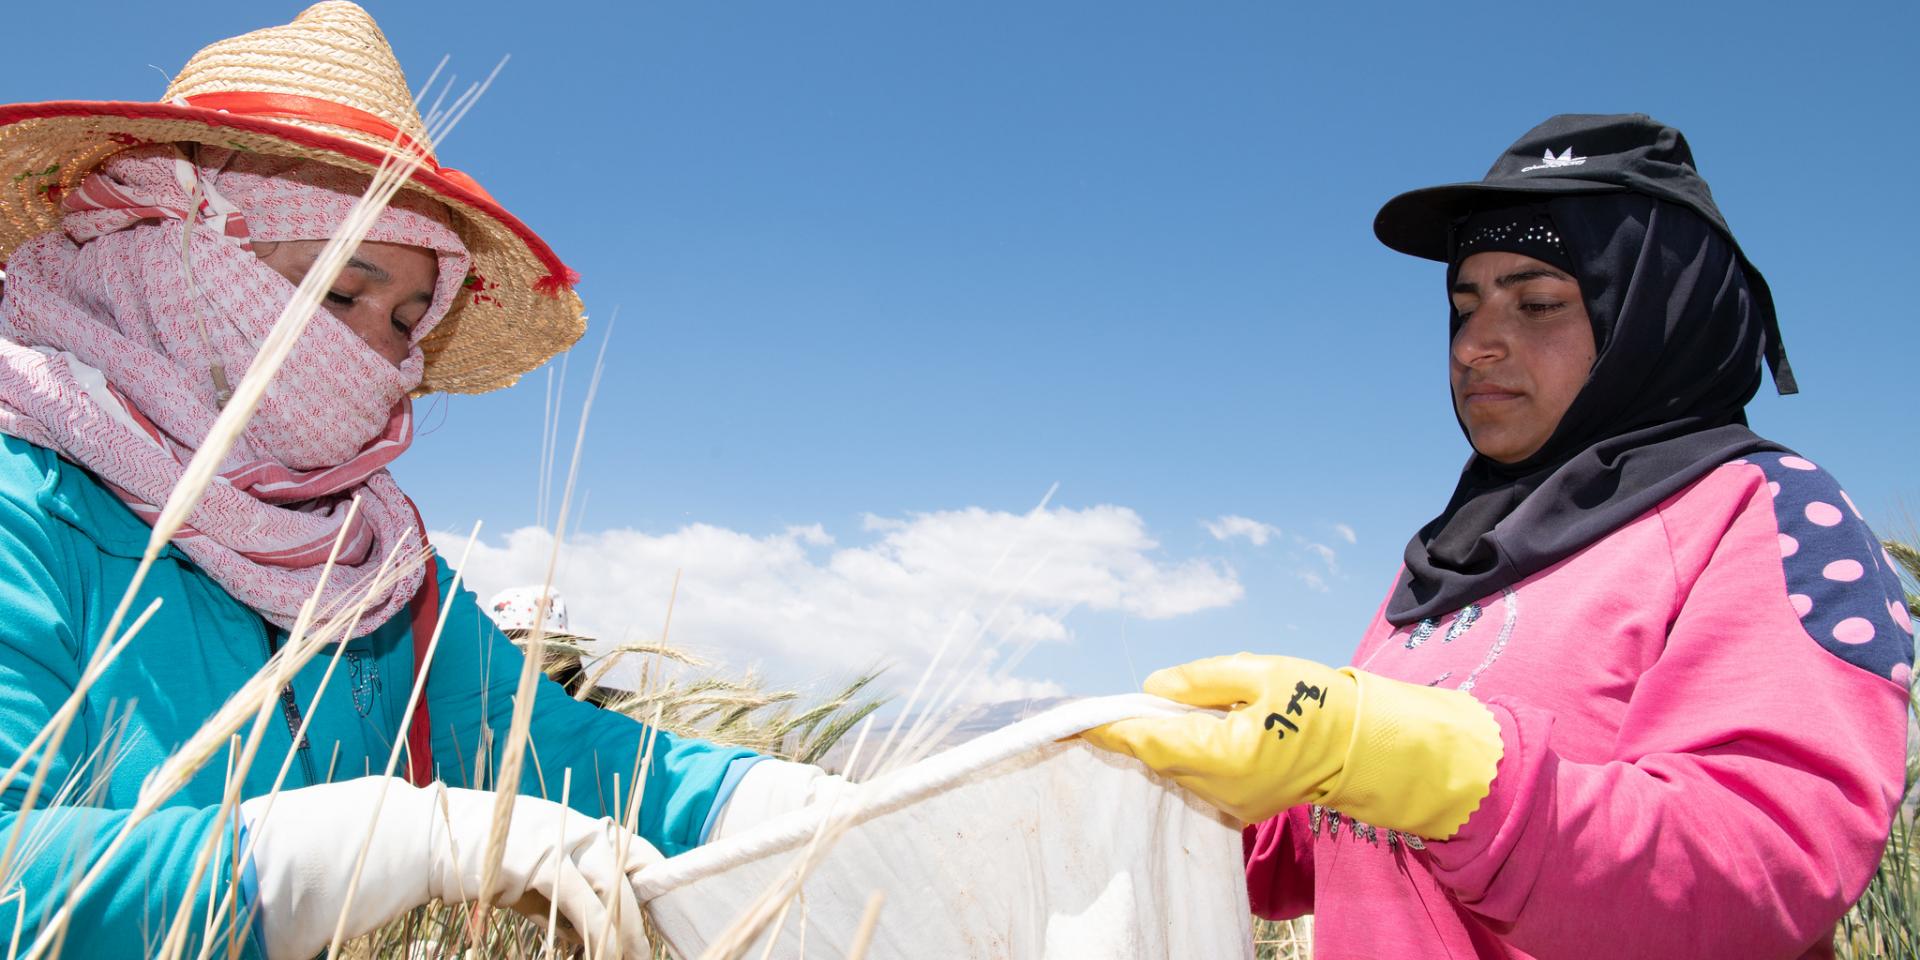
(1577, 153)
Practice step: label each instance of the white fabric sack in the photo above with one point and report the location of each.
(1013, 845)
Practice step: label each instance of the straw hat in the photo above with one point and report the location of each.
(325, 87)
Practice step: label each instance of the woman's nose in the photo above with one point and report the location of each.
(370, 323)
(1480, 339)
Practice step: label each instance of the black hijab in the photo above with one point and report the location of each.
(1679, 344)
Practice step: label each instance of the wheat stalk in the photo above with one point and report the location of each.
(553, 903)
(869, 921)
(86, 784)
(245, 854)
(300, 734)
(399, 744)
(600, 669)
(919, 737)
(203, 744)
(184, 498)
(883, 760)
(241, 762)
(19, 896)
(228, 425)
(629, 822)
(834, 821)
(50, 738)
(507, 782)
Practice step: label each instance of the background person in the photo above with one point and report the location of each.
(1640, 689)
(518, 610)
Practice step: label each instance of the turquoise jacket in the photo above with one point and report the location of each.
(68, 549)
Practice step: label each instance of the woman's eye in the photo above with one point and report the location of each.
(1541, 309)
(340, 299)
(405, 328)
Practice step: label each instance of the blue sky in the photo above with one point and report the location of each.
(888, 271)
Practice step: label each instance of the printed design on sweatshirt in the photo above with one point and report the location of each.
(1511, 601)
(1840, 580)
(1318, 815)
(1461, 623)
(1421, 633)
(364, 672)
(1469, 615)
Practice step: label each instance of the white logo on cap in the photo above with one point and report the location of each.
(1549, 162)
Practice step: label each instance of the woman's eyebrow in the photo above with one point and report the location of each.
(372, 271)
(1531, 273)
(1516, 277)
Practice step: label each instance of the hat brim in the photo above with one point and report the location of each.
(1416, 223)
(519, 310)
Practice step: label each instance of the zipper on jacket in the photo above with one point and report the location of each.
(290, 709)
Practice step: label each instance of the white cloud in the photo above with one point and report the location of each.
(1232, 525)
(799, 607)
(1310, 562)
(1314, 573)
(1009, 689)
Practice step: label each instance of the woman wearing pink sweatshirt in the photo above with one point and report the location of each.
(1640, 689)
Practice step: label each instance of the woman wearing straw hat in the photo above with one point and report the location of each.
(1640, 690)
(149, 249)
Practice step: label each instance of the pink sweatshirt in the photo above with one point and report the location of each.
(1704, 716)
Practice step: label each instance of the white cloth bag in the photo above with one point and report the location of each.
(1013, 845)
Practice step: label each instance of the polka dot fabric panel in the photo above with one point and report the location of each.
(1839, 579)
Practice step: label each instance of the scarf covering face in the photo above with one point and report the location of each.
(107, 347)
(1679, 351)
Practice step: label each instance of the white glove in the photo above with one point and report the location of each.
(430, 843)
(774, 787)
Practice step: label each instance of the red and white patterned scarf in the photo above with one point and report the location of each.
(107, 343)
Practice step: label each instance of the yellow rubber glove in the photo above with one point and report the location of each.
(1392, 754)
